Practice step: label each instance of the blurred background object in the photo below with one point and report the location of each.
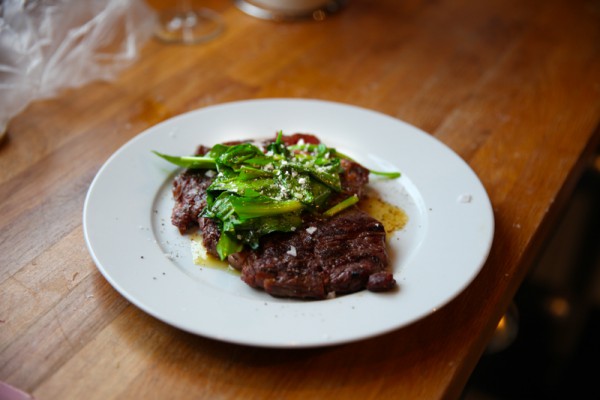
(50, 45)
(286, 10)
(187, 23)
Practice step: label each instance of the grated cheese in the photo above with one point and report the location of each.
(292, 251)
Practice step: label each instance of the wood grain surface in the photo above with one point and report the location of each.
(512, 86)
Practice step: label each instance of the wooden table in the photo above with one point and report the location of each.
(512, 86)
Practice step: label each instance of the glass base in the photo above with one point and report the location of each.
(191, 26)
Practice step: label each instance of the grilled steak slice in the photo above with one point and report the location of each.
(354, 178)
(343, 254)
(189, 193)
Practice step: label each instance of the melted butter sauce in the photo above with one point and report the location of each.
(203, 259)
(393, 218)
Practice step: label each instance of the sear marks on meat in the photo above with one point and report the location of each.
(189, 193)
(344, 254)
(353, 179)
(210, 235)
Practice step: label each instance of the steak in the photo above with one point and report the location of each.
(189, 193)
(342, 254)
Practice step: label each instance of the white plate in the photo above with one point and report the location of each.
(127, 210)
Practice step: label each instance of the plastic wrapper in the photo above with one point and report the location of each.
(50, 45)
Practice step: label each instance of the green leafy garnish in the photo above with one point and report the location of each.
(342, 205)
(390, 175)
(256, 192)
(189, 161)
